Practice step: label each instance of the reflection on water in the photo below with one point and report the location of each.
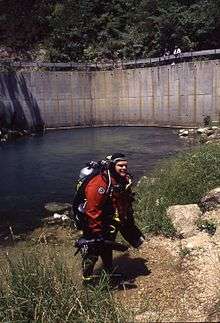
(37, 170)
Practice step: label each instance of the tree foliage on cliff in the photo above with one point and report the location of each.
(86, 30)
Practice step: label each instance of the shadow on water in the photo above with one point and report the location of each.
(12, 111)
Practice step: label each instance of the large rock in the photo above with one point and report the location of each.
(211, 200)
(183, 133)
(212, 216)
(208, 130)
(202, 130)
(216, 237)
(197, 243)
(202, 265)
(184, 218)
(55, 207)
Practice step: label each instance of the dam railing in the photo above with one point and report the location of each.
(120, 64)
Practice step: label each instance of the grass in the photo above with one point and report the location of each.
(207, 226)
(182, 180)
(41, 284)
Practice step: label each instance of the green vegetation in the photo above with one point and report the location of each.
(182, 180)
(99, 30)
(184, 252)
(207, 226)
(42, 284)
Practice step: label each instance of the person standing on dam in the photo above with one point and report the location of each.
(107, 210)
(177, 52)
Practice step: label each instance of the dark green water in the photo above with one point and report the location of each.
(38, 170)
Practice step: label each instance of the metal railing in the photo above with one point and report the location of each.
(163, 60)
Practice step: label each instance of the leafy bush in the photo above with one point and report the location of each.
(182, 180)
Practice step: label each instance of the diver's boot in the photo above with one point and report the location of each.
(88, 264)
(88, 281)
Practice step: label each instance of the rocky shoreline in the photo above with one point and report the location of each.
(54, 214)
(207, 134)
(7, 135)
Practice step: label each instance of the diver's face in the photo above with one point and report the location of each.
(121, 168)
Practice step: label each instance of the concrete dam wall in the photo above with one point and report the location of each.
(178, 95)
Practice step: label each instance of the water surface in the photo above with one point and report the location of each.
(38, 170)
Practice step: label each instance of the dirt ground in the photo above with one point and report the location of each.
(168, 289)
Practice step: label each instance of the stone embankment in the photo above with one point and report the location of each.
(8, 135)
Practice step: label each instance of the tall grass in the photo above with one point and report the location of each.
(42, 284)
(182, 180)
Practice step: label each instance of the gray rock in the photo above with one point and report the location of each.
(212, 216)
(184, 219)
(210, 132)
(57, 219)
(202, 130)
(216, 237)
(198, 243)
(214, 136)
(212, 200)
(56, 207)
(216, 129)
(184, 133)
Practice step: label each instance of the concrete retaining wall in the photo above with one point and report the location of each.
(178, 95)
